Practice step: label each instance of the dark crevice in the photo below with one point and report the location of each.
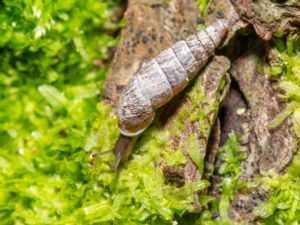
(228, 111)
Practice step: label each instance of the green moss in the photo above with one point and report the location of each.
(283, 205)
(48, 105)
(288, 66)
(230, 156)
(202, 5)
(193, 147)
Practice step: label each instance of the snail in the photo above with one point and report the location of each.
(159, 80)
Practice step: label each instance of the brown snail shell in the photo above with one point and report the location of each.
(164, 76)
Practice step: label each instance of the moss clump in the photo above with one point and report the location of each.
(283, 205)
(230, 156)
(289, 65)
(48, 104)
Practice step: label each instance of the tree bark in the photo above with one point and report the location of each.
(189, 119)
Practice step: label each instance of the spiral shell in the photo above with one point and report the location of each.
(164, 76)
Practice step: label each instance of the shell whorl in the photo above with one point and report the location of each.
(164, 76)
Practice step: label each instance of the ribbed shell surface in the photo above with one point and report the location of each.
(173, 69)
(135, 110)
(155, 84)
(165, 76)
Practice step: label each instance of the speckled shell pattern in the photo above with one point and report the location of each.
(164, 76)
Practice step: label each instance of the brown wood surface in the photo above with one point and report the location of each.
(154, 25)
(151, 27)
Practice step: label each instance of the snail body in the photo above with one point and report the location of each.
(165, 76)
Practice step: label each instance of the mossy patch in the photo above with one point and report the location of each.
(283, 205)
